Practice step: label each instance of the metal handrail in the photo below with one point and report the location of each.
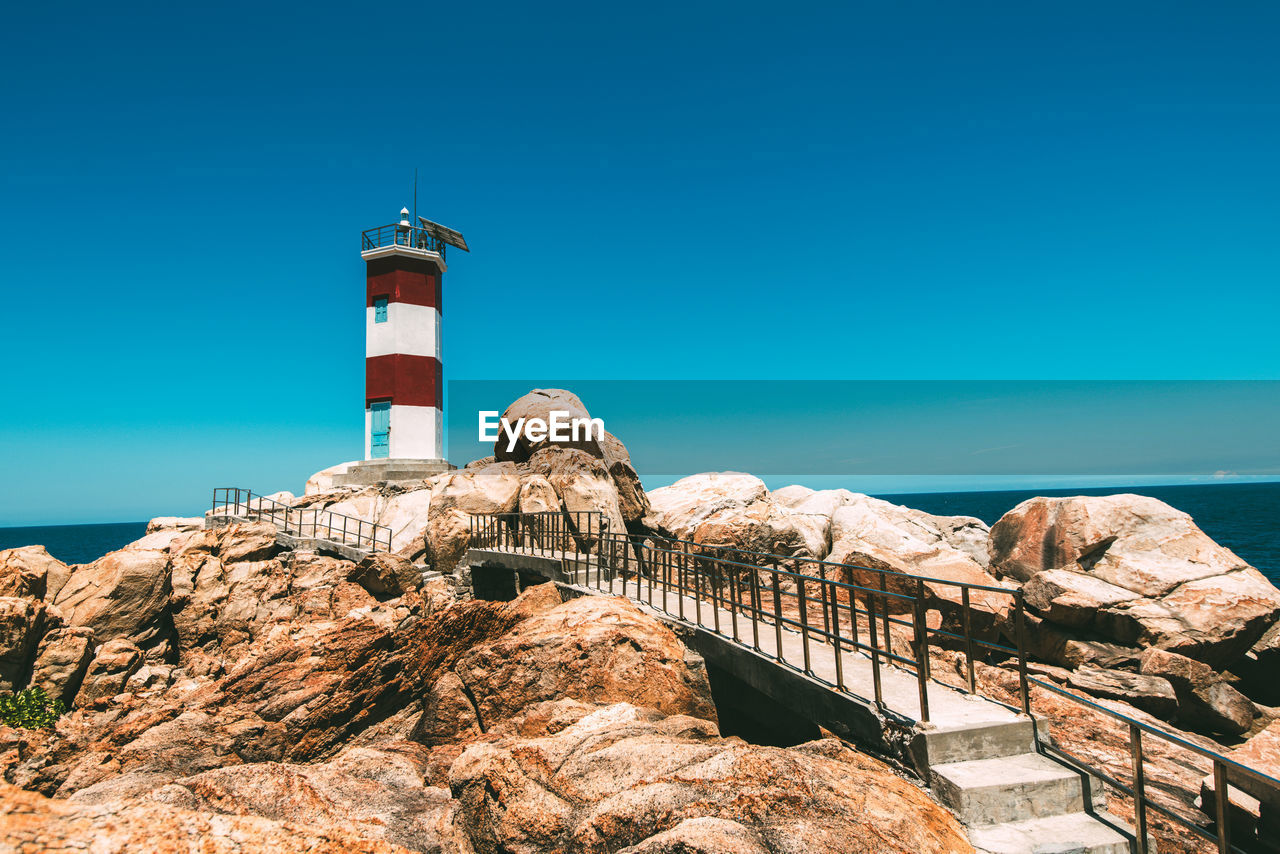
(395, 234)
(315, 523)
(711, 569)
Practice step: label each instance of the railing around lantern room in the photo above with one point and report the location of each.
(401, 234)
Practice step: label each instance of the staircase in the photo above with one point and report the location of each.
(1015, 800)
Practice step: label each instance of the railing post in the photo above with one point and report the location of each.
(968, 636)
(1222, 800)
(804, 621)
(1139, 787)
(777, 613)
(922, 650)
(1020, 629)
(755, 609)
(875, 647)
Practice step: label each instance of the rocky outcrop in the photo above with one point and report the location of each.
(735, 510)
(623, 777)
(593, 649)
(32, 822)
(62, 661)
(372, 794)
(115, 661)
(584, 486)
(540, 403)
(907, 545)
(1134, 571)
(31, 572)
(1149, 693)
(122, 595)
(1205, 700)
(22, 623)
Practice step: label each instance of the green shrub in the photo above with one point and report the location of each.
(31, 708)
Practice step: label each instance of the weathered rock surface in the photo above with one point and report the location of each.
(1149, 693)
(62, 661)
(620, 777)
(112, 665)
(1188, 594)
(539, 403)
(907, 545)
(595, 649)
(31, 572)
(373, 794)
(734, 510)
(1205, 700)
(583, 484)
(32, 822)
(22, 623)
(121, 595)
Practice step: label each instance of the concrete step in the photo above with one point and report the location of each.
(942, 745)
(1074, 833)
(1012, 788)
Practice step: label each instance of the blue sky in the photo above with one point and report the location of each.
(713, 191)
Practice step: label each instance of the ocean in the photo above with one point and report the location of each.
(1243, 517)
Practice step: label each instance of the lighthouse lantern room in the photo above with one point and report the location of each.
(404, 393)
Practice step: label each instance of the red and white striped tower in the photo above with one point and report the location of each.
(404, 392)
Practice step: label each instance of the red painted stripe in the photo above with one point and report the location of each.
(404, 380)
(401, 279)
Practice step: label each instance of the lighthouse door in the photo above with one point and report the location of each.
(380, 430)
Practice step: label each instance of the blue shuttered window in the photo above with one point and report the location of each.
(379, 309)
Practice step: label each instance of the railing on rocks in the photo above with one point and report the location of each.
(847, 609)
(302, 522)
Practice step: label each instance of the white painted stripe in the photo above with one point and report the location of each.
(417, 432)
(413, 330)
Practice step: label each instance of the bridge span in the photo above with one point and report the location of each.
(807, 643)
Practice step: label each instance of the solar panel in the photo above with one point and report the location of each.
(443, 232)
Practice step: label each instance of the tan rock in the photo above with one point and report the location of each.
(620, 777)
(910, 545)
(1205, 700)
(685, 504)
(703, 835)
(181, 523)
(112, 665)
(62, 661)
(539, 403)
(383, 574)
(448, 536)
(32, 572)
(22, 624)
(537, 495)
(1149, 693)
(1190, 594)
(32, 822)
(597, 649)
(584, 486)
(372, 794)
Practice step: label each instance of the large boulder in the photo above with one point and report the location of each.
(1149, 693)
(377, 794)
(899, 546)
(540, 403)
(122, 594)
(1134, 571)
(736, 511)
(115, 661)
(681, 507)
(622, 776)
(31, 571)
(1205, 700)
(584, 486)
(22, 624)
(62, 661)
(595, 649)
(32, 822)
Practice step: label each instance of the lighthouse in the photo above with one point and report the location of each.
(404, 390)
